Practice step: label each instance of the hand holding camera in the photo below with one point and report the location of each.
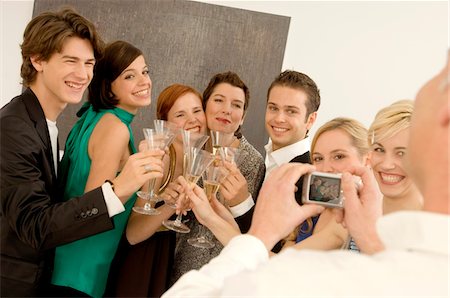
(363, 206)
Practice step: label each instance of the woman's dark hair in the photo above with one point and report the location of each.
(117, 57)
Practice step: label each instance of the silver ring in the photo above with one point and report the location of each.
(148, 168)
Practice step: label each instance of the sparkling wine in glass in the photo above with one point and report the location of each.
(192, 179)
(201, 160)
(218, 140)
(211, 188)
(212, 178)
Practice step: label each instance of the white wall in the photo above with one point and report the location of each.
(14, 17)
(363, 55)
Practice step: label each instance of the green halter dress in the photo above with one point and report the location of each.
(84, 264)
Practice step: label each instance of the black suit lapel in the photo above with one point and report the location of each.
(304, 158)
(37, 115)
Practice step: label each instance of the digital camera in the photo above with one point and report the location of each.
(323, 189)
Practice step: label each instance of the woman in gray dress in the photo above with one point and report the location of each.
(225, 100)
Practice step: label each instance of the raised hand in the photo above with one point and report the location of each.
(223, 212)
(223, 229)
(139, 168)
(277, 213)
(172, 192)
(362, 208)
(199, 203)
(234, 188)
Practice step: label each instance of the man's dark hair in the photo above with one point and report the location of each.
(297, 80)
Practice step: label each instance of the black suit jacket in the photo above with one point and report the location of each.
(304, 158)
(33, 218)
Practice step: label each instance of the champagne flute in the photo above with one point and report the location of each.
(191, 140)
(212, 177)
(218, 139)
(161, 126)
(155, 141)
(229, 154)
(166, 127)
(201, 160)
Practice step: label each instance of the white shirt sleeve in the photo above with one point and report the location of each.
(113, 203)
(243, 252)
(242, 269)
(242, 207)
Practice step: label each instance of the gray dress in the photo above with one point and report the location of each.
(187, 257)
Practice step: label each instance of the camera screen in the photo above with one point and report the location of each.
(325, 189)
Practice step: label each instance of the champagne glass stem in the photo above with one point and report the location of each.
(151, 187)
(178, 220)
(148, 205)
(150, 201)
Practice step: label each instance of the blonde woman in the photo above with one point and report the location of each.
(388, 138)
(338, 145)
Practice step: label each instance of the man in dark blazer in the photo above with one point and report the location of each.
(292, 103)
(59, 52)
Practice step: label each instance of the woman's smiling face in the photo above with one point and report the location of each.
(225, 108)
(187, 113)
(387, 157)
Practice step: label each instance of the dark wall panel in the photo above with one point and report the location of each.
(188, 42)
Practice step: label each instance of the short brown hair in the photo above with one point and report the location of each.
(45, 34)
(297, 80)
(169, 96)
(117, 57)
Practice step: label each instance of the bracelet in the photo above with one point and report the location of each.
(110, 182)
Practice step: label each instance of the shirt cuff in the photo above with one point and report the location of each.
(242, 207)
(113, 203)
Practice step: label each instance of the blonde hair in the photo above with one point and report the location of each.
(391, 120)
(355, 130)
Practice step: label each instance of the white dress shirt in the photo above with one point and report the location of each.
(113, 203)
(53, 132)
(284, 155)
(414, 263)
(273, 160)
(242, 207)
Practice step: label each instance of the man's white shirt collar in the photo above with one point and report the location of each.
(284, 155)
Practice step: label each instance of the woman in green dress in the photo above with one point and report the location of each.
(96, 149)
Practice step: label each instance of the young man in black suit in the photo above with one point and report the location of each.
(292, 103)
(59, 52)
